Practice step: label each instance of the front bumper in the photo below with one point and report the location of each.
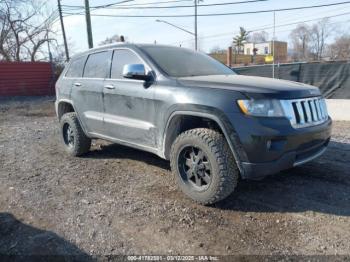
(272, 145)
(286, 161)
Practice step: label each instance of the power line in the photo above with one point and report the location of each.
(316, 14)
(312, 17)
(95, 7)
(228, 39)
(161, 2)
(222, 14)
(137, 6)
(182, 6)
(49, 20)
(99, 6)
(129, 5)
(300, 22)
(269, 27)
(112, 4)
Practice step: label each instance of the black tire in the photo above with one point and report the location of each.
(75, 142)
(215, 176)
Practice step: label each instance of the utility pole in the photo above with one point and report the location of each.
(52, 65)
(273, 44)
(88, 24)
(195, 25)
(63, 30)
(49, 50)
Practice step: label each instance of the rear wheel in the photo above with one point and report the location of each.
(75, 141)
(203, 165)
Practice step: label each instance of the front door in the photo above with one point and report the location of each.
(128, 104)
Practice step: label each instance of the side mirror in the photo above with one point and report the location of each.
(135, 71)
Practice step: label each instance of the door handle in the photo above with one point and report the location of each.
(109, 86)
(77, 84)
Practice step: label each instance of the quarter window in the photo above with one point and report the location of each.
(121, 58)
(76, 67)
(97, 65)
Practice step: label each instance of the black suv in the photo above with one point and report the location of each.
(213, 125)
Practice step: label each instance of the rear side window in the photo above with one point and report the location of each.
(97, 65)
(123, 57)
(76, 67)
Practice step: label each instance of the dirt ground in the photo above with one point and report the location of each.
(117, 200)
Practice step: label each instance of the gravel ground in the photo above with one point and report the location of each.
(117, 200)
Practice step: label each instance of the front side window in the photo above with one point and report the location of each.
(181, 62)
(97, 65)
(122, 57)
(76, 67)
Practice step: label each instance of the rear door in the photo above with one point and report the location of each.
(129, 104)
(87, 91)
(73, 74)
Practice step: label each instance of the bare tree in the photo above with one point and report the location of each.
(22, 35)
(217, 50)
(300, 38)
(258, 37)
(340, 49)
(310, 42)
(319, 33)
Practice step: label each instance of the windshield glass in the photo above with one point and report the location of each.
(181, 62)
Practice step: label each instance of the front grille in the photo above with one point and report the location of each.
(306, 112)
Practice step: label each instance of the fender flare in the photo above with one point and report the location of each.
(63, 100)
(230, 135)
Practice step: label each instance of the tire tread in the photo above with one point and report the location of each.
(228, 171)
(82, 142)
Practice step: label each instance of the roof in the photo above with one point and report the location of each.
(118, 44)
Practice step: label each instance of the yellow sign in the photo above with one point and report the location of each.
(268, 58)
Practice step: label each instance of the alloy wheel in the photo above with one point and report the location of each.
(195, 168)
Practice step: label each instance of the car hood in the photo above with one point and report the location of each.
(253, 86)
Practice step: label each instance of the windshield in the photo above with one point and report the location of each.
(181, 62)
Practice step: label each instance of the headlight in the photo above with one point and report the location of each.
(261, 107)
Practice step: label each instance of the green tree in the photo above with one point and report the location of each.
(240, 39)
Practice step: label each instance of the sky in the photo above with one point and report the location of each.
(213, 32)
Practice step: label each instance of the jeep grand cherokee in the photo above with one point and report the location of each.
(214, 126)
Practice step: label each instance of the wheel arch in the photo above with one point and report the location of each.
(175, 126)
(64, 106)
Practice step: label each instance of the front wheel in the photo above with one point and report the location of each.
(73, 137)
(203, 165)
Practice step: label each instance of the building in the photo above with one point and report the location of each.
(265, 48)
